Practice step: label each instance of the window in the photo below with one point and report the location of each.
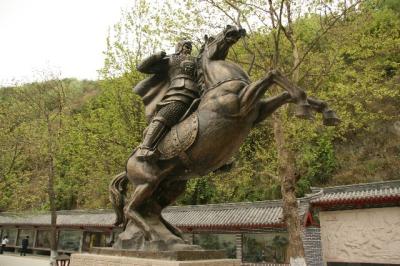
(97, 239)
(269, 247)
(69, 240)
(23, 233)
(43, 239)
(12, 235)
(217, 241)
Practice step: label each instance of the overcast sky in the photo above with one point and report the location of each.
(67, 36)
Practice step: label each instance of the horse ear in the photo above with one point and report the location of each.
(206, 38)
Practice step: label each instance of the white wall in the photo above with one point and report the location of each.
(364, 235)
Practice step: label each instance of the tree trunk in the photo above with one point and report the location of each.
(53, 213)
(52, 196)
(287, 165)
(287, 174)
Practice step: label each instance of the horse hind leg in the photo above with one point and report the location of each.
(140, 194)
(168, 193)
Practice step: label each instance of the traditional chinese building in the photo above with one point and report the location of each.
(344, 225)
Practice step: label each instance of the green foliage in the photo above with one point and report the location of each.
(199, 191)
(320, 161)
(102, 123)
(101, 136)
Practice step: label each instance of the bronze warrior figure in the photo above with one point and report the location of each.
(180, 69)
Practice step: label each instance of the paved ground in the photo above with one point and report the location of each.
(11, 259)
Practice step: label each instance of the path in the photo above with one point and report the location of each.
(10, 259)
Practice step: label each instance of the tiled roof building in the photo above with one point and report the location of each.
(229, 216)
(329, 216)
(213, 217)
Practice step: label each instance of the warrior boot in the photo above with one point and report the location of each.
(155, 132)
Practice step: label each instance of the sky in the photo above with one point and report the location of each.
(62, 36)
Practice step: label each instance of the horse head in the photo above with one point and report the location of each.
(212, 67)
(217, 47)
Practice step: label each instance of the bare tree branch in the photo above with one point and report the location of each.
(318, 38)
(214, 4)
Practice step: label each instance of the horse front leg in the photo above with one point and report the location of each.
(298, 95)
(304, 103)
(140, 194)
(253, 93)
(329, 116)
(270, 105)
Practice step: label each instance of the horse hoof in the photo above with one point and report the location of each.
(330, 118)
(304, 111)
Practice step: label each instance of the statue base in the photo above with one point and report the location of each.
(133, 238)
(178, 255)
(85, 259)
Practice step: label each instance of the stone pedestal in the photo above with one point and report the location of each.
(178, 255)
(85, 259)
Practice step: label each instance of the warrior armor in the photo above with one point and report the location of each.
(182, 75)
(181, 69)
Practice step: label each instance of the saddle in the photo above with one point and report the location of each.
(179, 138)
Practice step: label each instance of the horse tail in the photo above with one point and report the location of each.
(117, 189)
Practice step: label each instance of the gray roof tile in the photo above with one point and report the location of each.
(230, 215)
(64, 218)
(369, 192)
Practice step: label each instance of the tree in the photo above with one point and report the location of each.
(45, 106)
(282, 36)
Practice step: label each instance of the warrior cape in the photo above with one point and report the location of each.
(152, 90)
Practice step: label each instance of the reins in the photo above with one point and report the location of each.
(222, 82)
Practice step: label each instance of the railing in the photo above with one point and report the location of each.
(264, 264)
(62, 260)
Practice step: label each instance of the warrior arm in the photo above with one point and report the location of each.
(153, 64)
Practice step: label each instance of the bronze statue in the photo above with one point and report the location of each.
(205, 140)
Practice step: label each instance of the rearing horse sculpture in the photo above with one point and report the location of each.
(231, 105)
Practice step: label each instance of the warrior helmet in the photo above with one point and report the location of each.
(179, 46)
